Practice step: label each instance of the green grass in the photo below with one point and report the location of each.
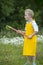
(11, 54)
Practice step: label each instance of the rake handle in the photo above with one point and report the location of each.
(18, 31)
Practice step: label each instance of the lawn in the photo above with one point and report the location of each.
(11, 54)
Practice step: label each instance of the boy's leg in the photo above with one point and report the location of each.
(28, 60)
(34, 60)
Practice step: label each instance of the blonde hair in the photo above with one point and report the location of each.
(29, 11)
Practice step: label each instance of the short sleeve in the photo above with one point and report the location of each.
(35, 26)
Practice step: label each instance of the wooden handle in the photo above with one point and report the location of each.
(17, 31)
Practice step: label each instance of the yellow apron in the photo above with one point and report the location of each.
(29, 47)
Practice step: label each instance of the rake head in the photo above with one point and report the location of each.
(8, 27)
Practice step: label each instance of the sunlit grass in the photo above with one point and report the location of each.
(11, 54)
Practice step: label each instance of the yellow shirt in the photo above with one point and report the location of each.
(29, 47)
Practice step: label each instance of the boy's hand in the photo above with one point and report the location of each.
(30, 36)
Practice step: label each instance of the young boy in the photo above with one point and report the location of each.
(30, 38)
(31, 29)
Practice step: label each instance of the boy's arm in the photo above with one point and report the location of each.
(21, 31)
(32, 34)
(35, 27)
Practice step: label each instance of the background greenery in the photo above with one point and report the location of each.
(12, 13)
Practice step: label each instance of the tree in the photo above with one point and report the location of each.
(12, 12)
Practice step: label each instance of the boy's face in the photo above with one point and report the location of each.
(27, 16)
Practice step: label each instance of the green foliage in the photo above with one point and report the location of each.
(12, 12)
(7, 6)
